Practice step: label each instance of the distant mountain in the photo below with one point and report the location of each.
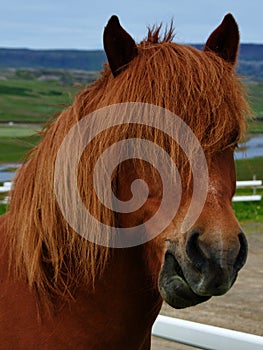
(247, 52)
(250, 59)
(57, 59)
(251, 52)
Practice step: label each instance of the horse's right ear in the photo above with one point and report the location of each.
(119, 46)
(224, 40)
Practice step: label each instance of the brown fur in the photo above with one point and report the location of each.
(198, 86)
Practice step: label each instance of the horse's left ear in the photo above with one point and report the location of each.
(224, 40)
(119, 46)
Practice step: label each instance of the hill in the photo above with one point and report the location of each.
(250, 59)
(91, 60)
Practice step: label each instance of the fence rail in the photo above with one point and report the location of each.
(6, 187)
(254, 184)
(203, 336)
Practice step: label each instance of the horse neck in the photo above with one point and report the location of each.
(125, 300)
(117, 314)
(129, 278)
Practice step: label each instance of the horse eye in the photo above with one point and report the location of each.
(234, 141)
(234, 145)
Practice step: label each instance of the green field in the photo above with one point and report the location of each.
(16, 141)
(255, 92)
(249, 211)
(28, 99)
(2, 209)
(32, 101)
(255, 98)
(28, 103)
(247, 168)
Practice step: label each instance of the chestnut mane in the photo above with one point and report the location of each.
(198, 86)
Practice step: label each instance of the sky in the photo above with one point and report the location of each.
(79, 24)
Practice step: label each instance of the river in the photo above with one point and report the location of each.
(253, 148)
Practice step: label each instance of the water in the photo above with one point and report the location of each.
(254, 148)
(7, 175)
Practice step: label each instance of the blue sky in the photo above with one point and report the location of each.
(78, 24)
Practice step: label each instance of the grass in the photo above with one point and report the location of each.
(16, 148)
(246, 168)
(255, 92)
(28, 101)
(2, 208)
(16, 142)
(17, 131)
(249, 211)
(255, 127)
(32, 101)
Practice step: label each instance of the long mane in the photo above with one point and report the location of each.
(197, 86)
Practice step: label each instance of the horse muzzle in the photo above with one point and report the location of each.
(200, 273)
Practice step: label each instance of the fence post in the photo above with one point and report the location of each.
(254, 188)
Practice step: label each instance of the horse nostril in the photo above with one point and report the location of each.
(194, 251)
(203, 260)
(242, 255)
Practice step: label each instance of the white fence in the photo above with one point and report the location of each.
(203, 336)
(254, 184)
(4, 189)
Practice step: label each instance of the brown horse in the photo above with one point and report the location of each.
(60, 290)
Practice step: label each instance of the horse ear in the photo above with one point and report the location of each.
(119, 46)
(224, 40)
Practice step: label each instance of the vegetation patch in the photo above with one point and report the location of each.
(33, 100)
(16, 148)
(3, 208)
(15, 91)
(247, 168)
(255, 92)
(249, 211)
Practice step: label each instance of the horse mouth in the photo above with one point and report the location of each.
(173, 286)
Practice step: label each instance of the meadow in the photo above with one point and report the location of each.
(32, 101)
(27, 103)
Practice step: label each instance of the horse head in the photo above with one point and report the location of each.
(203, 260)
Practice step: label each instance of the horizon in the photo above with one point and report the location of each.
(101, 49)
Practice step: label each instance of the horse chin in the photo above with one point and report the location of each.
(173, 287)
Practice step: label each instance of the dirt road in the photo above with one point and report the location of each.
(241, 308)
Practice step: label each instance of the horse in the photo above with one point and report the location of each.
(61, 289)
